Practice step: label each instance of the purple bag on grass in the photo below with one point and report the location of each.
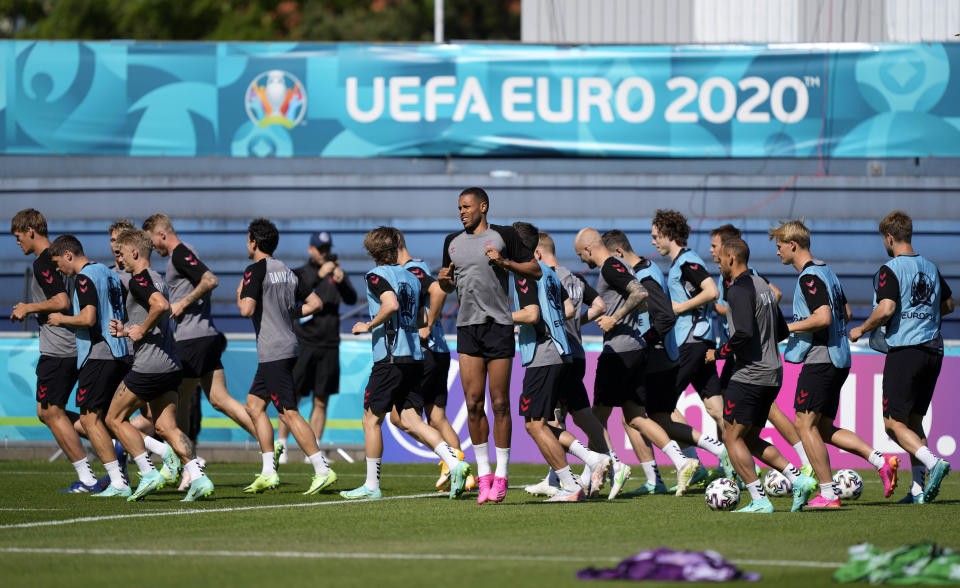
(667, 564)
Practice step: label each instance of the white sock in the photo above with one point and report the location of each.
(319, 463)
(552, 479)
(690, 452)
(710, 444)
(652, 473)
(116, 476)
(193, 468)
(876, 459)
(444, 452)
(85, 473)
(144, 463)
(791, 473)
(829, 491)
(373, 473)
(672, 450)
(756, 490)
(267, 469)
(155, 446)
(803, 454)
(580, 452)
(503, 462)
(282, 440)
(927, 457)
(587, 472)
(483, 459)
(919, 479)
(567, 481)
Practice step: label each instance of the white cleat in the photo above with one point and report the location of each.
(543, 488)
(619, 474)
(685, 474)
(598, 476)
(567, 496)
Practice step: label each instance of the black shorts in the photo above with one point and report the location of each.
(660, 390)
(274, 383)
(818, 389)
(148, 387)
(200, 356)
(695, 371)
(909, 378)
(541, 391)
(98, 381)
(748, 404)
(317, 369)
(394, 384)
(436, 366)
(572, 392)
(619, 378)
(56, 377)
(487, 340)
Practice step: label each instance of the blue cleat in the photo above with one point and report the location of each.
(121, 460)
(937, 474)
(912, 499)
(112, 490)
(802, 488)
(202, 487)
(761, 506)
(79, 487)
(361, 493)
(149, 482)
(648, 489)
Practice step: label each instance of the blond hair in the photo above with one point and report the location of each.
(792, 232)
(137, 240)
(158, 221)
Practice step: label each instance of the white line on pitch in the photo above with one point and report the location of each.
(379, 555)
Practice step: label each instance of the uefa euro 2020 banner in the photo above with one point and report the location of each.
(365, 100)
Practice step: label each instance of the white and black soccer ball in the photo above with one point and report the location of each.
(722, 494)
(849, 484)
(776, 484)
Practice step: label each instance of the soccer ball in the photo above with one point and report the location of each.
(722, 494)
(849, 483)
(776, 484)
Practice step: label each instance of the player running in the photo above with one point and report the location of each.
(476, 263)
(393, 294)
(910, 300)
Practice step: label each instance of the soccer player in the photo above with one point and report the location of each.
(198, 343)
(573, 394)
(476, 263)
(620, 368)
(318, 335)
(542, 307)
(393, 294)
(57, 368)
(910, 300)
(154, 377)
(661, 371)
(755, 327)
(270, 295)
(818, 340)
(436, 359)
(102, 358)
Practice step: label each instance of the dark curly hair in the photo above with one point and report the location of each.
(265, 234)
(672, 225)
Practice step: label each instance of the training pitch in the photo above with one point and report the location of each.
(415, 537)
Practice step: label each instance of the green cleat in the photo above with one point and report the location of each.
(937, 473)
(458, 479)
(361, 493)
(262, 483)
(761, 506)
(149, 482)
(807, 470)
(802, 488)
(171, 467)
(321, 482)
(200, 488)
(700, 477)
(685, 475)
(113, 491)
(726, 466)
(278, 448)
(648, 489)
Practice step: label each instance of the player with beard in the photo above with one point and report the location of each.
(476, 263)
(818, 340)
(910, 300)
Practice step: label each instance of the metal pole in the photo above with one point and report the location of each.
(438, 21)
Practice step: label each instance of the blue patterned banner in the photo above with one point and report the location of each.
(363, 100)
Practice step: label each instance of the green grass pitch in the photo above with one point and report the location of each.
(416, 538)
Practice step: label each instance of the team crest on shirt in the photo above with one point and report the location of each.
(922, 290)
(839, 311)
(408, 307)
(553, 293)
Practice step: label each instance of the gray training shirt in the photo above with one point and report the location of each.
(615, 275)
(184, 272)
(482, 286)
(276, 290)
(47, 283)
(153, 354)
(755, 325)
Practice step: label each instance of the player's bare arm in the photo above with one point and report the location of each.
(708, 293)
(446, 280)
(86, 318)
(208, 282)
(636, 296)
(388, 306)
(817, 320)
(528, 315)
(56, 303)
(311, 305)
(879, 317)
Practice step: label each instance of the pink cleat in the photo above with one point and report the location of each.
(484, 482)
(821, 502)
(498, 491)
(888, 474)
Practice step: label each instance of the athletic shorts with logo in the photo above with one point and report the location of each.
(317, 369)
(436, 366)
(694, 371)
(273, 382)
(488, 340)
(201, 355)
(98, 381)
(56, 377)
(818, 389)
(619, 378)
(748, 404)
(149, 387)
(909, 379)
(541, 391)
(394, 384)
(573, 393)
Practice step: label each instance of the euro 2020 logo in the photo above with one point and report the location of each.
(276, 97)
(922, 290)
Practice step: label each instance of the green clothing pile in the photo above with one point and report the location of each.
(925, 563)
